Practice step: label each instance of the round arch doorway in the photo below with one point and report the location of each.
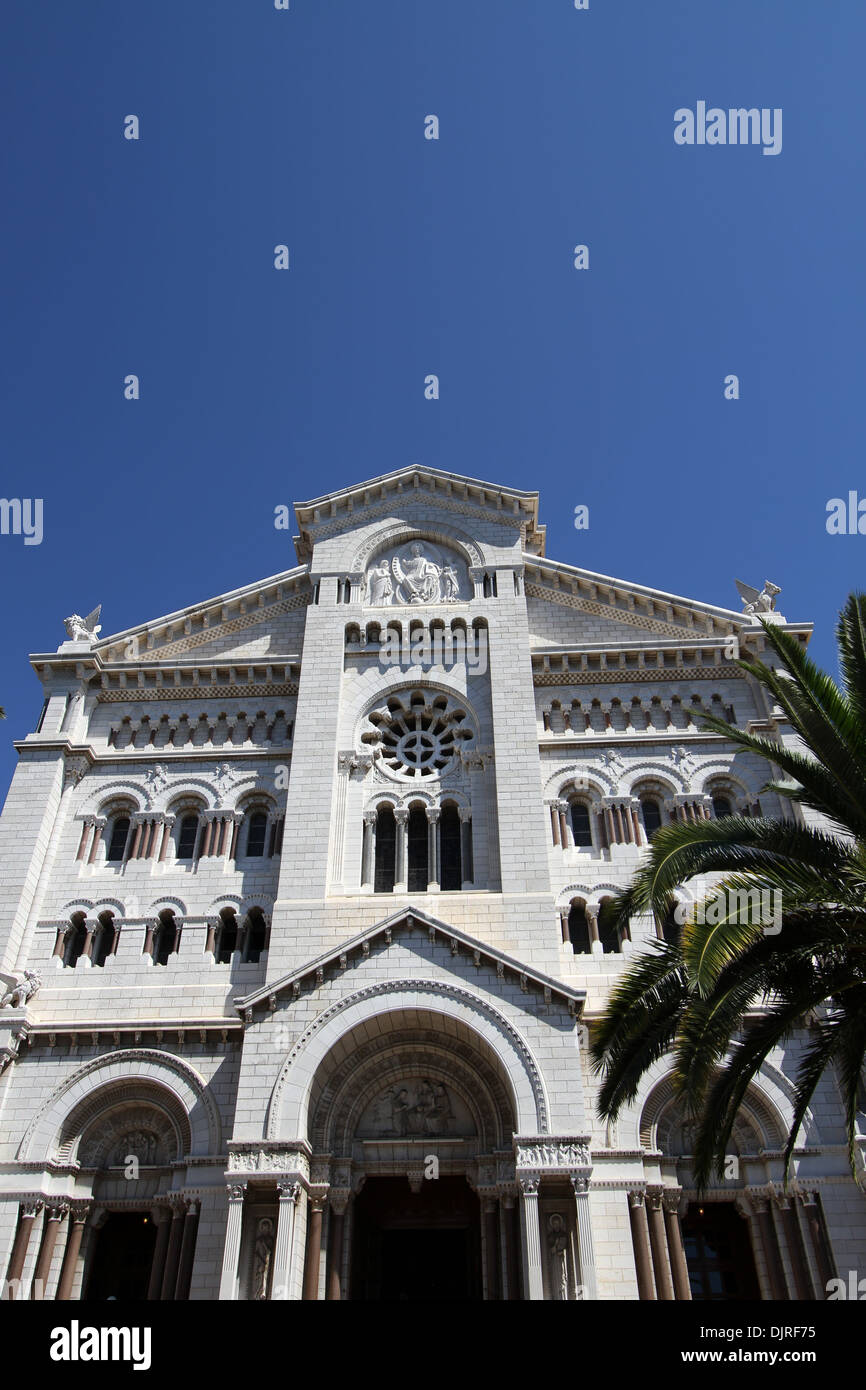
(421, 1246)
(411, 1126)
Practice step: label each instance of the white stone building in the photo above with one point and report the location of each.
(308, 876)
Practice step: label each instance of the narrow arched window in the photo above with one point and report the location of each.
(227, 942)
(449, 840)
(721, 807)
(104, 939)
(165, 938)
(255, 941)
(651, 812)
(187, 836)
(117, 841)
(580, 825)
(578, 930)
(74, 940)
(257, 834)
(416, 842)
(386, 849)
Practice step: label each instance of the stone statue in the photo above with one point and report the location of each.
(381, 588)
(20, 987)
(262, 1257)
(755, 603)
(450, 586)
(419, 581)
(557, 1245)
(80, 629)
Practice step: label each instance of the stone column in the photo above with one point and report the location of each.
(591, 913)
(187, 1251)
(772, 1256)
(491, 1244)
(50, 1229)
(793, 1235)
(658, 1242)
(467, 865)
(98, 827)
(679, 1267)
(82, 843)
(562, 808)
(432, 849)
(172, 1258)
(564, 914)
(74, 1234)
(314, 1247)
(289, 1192)
(161, 1217)
(27, 1213)
(232, 1248)
(136, 839)
(512, 1283)
(585, 1244)
(531, 1238)
(554, 822)
(334, 1284)
(820, 1245)
(368, 852)
(640, 1243)
(401, 859)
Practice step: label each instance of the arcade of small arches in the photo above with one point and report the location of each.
(229, 936)
(585, 818)
(643, 713)
(184, 836)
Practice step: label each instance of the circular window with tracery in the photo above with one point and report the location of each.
(419, 736)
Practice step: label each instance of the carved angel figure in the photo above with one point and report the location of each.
(381, 588)
(754, 602)
(20, 987)
(80, 629)
(419, 581)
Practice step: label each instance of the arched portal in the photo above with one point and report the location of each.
(412, 1115)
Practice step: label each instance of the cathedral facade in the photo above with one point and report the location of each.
(301, 936)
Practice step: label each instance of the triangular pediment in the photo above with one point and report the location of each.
(351, 507)
(383, 934)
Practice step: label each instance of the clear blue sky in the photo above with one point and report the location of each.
(408, 257)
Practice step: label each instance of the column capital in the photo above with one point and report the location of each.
(672, 1198)
(636, 1198)
(465, 814)
(236, 1191)
(432, 813)
(654, 1197)
(529, 1186)
(401, 815)
(289, 1191)
(370, 817)
(580, 1183)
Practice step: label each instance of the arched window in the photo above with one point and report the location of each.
(255, 935)
(451, 879)
(117, 840)
(257, 834)
(104, 938)
(651, 812)
(386, 849)
(187, 836)
(227, 940)
(417, 840)
(578, 929)
(165, 937)
(581, 827)
(721, 806)
(74, 940)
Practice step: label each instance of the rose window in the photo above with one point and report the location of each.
(418, 737)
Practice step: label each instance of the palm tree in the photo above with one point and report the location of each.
(727, 992)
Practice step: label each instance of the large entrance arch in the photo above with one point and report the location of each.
(416, 1116)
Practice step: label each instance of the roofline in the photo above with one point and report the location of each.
(406, 917)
